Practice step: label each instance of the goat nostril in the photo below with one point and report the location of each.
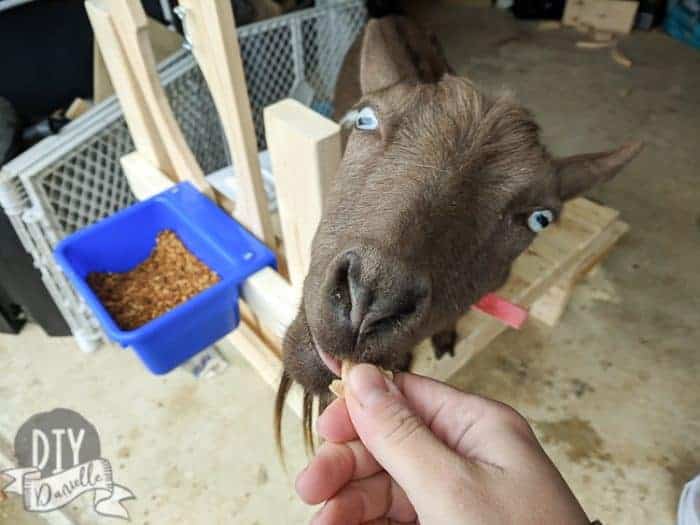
(359, 294)
(340, 292)
(386, 318)
(349, 297)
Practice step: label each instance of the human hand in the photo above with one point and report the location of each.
(416, 450)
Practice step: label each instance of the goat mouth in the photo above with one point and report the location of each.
(332, 363)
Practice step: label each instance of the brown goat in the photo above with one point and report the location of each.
(440, 188)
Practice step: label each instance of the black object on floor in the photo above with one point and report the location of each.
(11, 316)
(650, 14)
(542, 9)
(21, 287)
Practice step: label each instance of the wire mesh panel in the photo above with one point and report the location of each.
(269, 70)
(196, 114)
(298, 55)
(89, 184)
(73, 179)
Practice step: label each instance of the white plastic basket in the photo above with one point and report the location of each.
(74, 178)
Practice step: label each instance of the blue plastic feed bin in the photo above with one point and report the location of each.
(122, 241)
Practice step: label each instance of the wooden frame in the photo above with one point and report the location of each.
(293, 133)
(305, 152)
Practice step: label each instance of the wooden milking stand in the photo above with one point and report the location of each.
(305, 151)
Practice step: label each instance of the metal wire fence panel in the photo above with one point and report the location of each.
(73, 179)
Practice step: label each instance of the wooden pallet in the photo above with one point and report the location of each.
(541, 280)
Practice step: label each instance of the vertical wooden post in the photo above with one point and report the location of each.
(128, 20)
(305, 152)
(165, 42)
(145, 180)
(211, 26)
(101, 83)
(142, 127)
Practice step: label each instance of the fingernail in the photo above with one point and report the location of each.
(367, 384)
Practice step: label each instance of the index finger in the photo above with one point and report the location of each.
(449, 413)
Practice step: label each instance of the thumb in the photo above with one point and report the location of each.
(396, 436)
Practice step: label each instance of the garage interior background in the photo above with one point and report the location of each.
(612, 390)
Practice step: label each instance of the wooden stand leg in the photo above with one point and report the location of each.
(305, 153)
(263, 359)
(142, 128)
(121, 29)
(101, 83)
(165, 43)
(144, 179)
(211, 27)
(549, 308)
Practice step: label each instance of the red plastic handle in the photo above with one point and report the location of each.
(505, 311)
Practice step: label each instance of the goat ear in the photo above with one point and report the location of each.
(579, 173)
(385, 57)
(396, 49)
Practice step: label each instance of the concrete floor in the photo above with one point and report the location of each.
(612, 391)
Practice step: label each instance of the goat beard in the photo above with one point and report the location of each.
(308, 413)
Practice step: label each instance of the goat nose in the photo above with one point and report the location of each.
(368, 293)
(350, 299)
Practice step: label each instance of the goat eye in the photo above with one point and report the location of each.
(539, 220)
(366, 119)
